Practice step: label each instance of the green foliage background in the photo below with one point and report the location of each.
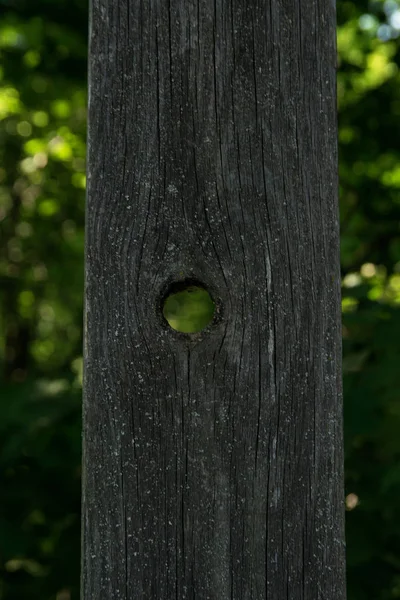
(42, 189)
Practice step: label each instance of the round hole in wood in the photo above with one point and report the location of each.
(188, 307)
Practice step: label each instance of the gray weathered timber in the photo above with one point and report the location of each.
(213, 462)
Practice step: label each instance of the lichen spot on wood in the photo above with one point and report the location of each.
(187, 306)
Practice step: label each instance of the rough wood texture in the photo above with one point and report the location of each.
(213, 463)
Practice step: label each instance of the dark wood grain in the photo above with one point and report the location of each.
(213, 462)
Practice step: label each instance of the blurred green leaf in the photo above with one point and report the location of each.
(189, 310)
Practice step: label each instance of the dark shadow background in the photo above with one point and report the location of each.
(43, 75)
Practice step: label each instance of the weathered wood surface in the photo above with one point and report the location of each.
(213, 463)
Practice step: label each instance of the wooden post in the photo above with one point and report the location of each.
(213, 461)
